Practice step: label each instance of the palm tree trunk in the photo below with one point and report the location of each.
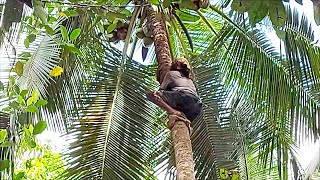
(182, 149)
(160, 39)
(180, 130)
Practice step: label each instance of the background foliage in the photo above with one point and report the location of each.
(63, 69)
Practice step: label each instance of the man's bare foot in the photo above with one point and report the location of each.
(156, 98)
(174, 112)
(153, 97)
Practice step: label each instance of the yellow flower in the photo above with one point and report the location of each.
(62, 14)
(56, 71)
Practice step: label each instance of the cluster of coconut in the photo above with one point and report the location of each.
(120, 32)
(144, 34)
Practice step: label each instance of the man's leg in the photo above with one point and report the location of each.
(155, 98)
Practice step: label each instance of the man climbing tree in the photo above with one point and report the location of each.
(177, 93)
(179, 126)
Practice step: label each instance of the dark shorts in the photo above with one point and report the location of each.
(182, 101)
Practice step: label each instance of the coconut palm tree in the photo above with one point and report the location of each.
(259, 102)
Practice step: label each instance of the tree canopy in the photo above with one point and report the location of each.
(71, 67)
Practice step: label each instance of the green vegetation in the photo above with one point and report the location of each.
(73, 67)
(44, 164)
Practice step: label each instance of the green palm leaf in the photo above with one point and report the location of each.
(256, 74)
(114, 127)
(44, 58)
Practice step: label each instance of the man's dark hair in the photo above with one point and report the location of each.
(183, 68)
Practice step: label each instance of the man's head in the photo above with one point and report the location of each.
(182, 65)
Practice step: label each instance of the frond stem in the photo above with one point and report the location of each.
(131, 25)
(121, 72)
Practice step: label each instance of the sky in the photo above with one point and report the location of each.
(305, 153)
(307, 10)
(308, 150)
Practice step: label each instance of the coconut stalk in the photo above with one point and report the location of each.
(178, 125)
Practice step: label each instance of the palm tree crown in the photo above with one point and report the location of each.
(260, 103)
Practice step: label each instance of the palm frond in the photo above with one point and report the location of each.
(302, 59)
(215, 130)
(254, 72)
(214, 134)
(198, 31)
(113, 131)
(36, 72)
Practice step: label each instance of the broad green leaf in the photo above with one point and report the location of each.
(25, 54)
(4, 164)
(51, 20)
(126, 12)
(15, 105)
(12, 80)
(109, 35)
(39, 127)
(64, 32)
(52, 5)
(31, 128)
(111, 27)
(69, 44)
(32, 109)
(74, 50)
(111, 16)
(23, 93)
(3, 135)
(26, 131)
(20, 100)
(277, 13)
(71, 13)
(50, 9)
(62, 14)
(59, 42)
(1, 86)
(19, 176)
(49, 30)
(41, 102)
(26, 43)
(258, 11)
(74, 34)
(154, 2)
(6, 144)
(17, 89)
(19, 68)
(57, 71)
(235, 177)
(35, 95)
(31, 38)
(30, 100)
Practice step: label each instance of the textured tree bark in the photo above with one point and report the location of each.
(182, 149)
(180, 130)
(160, 39)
